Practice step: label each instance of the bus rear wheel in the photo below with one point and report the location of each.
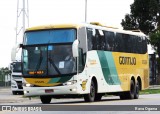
(91, 96)
(14, 92)
(130, 94)
(132, 90)
(98, 97)
(136, 95)
(45, 99)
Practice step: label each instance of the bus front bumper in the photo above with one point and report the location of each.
(57, 90)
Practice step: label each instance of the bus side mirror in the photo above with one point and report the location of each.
(14, 52)
(75, 48)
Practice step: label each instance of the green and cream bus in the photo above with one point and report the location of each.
(88, 60)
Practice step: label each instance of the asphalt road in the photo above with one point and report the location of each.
(142, 105)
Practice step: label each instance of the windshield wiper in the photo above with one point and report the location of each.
(39, 62)
(55, 67)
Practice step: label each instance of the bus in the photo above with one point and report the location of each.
(16, 78)
(88, 60)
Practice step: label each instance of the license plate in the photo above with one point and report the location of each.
(49, 90)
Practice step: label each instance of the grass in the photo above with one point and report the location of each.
(150, 91)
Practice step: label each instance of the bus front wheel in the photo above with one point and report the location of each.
(14, 92)
(98, 97)
(45, 99)
(91, 96)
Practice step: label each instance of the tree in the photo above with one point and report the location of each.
(129, 23)
(3, 72)
(144, 16)
(155, 41)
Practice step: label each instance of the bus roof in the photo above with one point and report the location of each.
(89, 25)
(53, 26)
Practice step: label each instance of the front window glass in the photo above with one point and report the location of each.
(49, 60)
(16, 66)
(49, 53)
(50, 36)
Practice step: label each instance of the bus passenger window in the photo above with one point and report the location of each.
(94, 40)
(102, 42)
(109, 38)
(89, 38)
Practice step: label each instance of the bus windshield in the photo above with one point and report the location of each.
(49, 53)
(50, 36)
(16, 66)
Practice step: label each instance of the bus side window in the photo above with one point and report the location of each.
(82, 59)
(89, 38)
(132, 44)
(144, 45)
(138, 43)
(127, 44)
(110, 43)
(94, 39)
(102, 41)
(120, 44)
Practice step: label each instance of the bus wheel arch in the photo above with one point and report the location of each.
(129, 94)
(98, 96)
(90, 97)
(132, 78)
(95, 82)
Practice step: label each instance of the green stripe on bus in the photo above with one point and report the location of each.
(108, 67)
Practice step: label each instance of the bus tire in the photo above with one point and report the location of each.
(45, 99)
(123, 96)
(20, 93)
(98, 97)
(131, 93)
(90, 97)
(136, 94)
(14, 92)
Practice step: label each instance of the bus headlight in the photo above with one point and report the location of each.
(28, 85)
(70, 82)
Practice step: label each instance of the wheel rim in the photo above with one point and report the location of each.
(137, 88)
(132, 89)
(92, 92)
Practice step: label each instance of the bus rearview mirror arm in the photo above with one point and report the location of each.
(75, 48)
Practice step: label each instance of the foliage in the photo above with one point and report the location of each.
(155, 41)
(144, 16)
(3, 72)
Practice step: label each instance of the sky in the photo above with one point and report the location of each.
(41, 12)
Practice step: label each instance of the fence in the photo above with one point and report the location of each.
(154, 74)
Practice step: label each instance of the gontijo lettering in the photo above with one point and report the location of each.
(127, 60)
